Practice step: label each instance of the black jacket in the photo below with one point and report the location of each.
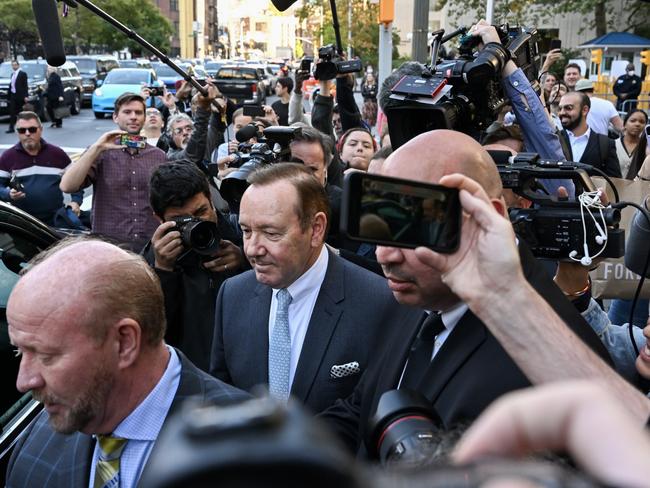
(470, 371)
(54, 87)
(600, 153)
(190, 295)
(22, 90)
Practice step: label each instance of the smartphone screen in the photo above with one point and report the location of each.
(135, 142)
(253, 111)
(400, 213)
(556, 44)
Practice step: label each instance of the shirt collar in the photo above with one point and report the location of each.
(451, 316)
(583, 136)
(144, 423)
(310, 279)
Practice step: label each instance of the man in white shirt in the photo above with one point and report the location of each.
(586, 145)
(602, 112)
(304, 321)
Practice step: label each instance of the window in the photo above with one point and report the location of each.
(260, 26)
(173, 5)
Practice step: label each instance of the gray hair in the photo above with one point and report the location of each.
(177, 118)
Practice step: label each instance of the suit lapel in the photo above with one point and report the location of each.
(466, 337)
(77, 459)
(322, 324)
(567, 145)
(257, 340)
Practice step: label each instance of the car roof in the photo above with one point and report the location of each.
(66, 65)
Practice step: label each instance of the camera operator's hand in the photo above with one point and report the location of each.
(167, 246)
(145, 92)
(76, 209)
(487, 260)
(168, 100)
(16, 195)
(228, 258)
(233, 146)
(270, 114)
(205, 101)
(488, 33)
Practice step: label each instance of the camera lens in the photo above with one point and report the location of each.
(203, 237)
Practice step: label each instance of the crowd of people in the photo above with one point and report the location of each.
(289, 302)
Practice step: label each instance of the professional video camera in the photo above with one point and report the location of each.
(462, 94)
(557, 228)
(331, 64)
(272, 146)
(202, 236)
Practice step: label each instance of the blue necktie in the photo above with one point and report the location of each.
(280, 348)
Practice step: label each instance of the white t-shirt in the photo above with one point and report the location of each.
(601, 112)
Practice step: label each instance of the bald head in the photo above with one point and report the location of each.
(103, 283)
(432, 155)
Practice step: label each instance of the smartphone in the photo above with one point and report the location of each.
(156, 91)
(253, 111)
(305, 64)
(135, 142)
(400, 213)
(556, 44)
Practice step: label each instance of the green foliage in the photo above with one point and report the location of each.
(83, 31)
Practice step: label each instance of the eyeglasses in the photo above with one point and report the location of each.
(31, 130)
(180, 130)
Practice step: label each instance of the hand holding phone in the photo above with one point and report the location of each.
(132, 141)
(400, 213)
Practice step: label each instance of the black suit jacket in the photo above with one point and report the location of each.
(43, 457)
(600, 153)
(22, 90)
(353, 309)
(470, 371)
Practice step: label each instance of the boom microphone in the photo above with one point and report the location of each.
(246, 133)
(638, 243)
(47, 21)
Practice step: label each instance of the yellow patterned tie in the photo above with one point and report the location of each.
(107, 470)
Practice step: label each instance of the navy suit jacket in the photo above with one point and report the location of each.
(354, 308)
(43, 457)
(470, 371)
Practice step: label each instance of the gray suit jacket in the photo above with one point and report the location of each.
(44, 458)
(354, 308)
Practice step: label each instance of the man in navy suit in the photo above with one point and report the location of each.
(95, 357)
(18, 94)
(304, 321)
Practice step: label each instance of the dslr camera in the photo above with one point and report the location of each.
(331, 64)
(201, 236)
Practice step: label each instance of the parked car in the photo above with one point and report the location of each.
(141, 63)
(93, 68)
(117, 82)
(212, 67)
(37, 81)
(242, 84)
(271, 79)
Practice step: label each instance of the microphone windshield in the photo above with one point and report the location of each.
(282, 5)
(638, 244)
(247, 132)
(47, 21)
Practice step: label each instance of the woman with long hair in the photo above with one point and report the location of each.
(630, 148)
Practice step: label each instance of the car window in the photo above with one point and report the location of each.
(86, 66)
(126, 77)
(164, 70)
(34, 71)
(63, 72)
(74, 71)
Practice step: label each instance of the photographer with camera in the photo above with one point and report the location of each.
(192, 252)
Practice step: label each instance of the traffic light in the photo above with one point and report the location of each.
(386, 11)
(645, 57)
(597, 56)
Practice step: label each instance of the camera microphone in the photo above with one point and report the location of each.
(47, 21)
(246, 133)
(282, 5)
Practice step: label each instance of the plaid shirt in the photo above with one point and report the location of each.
(120, 182)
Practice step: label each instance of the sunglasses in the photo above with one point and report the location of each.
(31, 130)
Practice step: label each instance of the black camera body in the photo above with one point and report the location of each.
(462, 94)
(553, 227)
(331, 64)
(201, 236)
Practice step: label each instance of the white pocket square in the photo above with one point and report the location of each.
(342, 370)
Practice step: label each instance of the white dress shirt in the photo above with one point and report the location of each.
(304, 292)
(578, 144)
(450, 318)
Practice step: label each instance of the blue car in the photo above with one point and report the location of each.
(117, 82)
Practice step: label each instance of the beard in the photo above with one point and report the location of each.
(86, 405)
(31, 145)
(572, 124)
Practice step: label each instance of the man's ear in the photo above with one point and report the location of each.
(128, 339)
(319, 227)
(500, 206)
